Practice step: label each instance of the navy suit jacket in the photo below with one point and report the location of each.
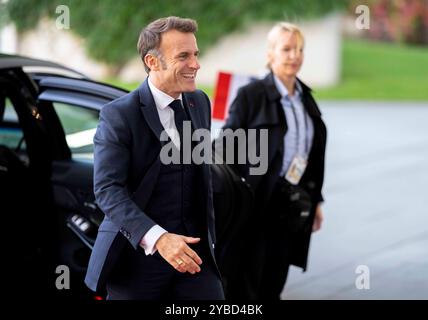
(126, 166)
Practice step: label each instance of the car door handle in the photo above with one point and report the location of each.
(90, 205)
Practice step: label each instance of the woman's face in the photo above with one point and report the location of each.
(286, 55)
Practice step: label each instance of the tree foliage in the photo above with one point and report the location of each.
(111, 27)
(400, 21)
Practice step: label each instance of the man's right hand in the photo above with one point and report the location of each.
(174, 249)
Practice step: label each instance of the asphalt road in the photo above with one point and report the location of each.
(376, 209)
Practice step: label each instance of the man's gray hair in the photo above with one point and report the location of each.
(150, 36)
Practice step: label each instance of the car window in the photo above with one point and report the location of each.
(79, 125)
(11, 134)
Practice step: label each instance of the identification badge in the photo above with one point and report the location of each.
(296, 170)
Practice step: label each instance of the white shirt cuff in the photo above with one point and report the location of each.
(150, 238)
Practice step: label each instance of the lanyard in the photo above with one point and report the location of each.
(297, 128)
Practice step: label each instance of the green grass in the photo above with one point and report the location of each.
(380, 71)
(370, 71)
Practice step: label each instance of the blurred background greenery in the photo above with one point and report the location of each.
(110, 27)
(370, 70)
(388, 61)
(380, 71)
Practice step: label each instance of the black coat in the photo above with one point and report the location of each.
(258, 106)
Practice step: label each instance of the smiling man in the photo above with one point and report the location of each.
(157, 238)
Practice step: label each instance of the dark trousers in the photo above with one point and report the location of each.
(276, 263)
(278, 241)
(141, 277)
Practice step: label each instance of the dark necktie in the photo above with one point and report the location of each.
(179, 117)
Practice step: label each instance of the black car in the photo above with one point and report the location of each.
(48, 116)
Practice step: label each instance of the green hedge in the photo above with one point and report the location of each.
(111, 27)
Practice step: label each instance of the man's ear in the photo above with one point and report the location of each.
(152, 62)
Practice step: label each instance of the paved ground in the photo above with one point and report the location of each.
(376, 210)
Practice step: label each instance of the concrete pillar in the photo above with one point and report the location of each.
(245, 53)
(8, 39)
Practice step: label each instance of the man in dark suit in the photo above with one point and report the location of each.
(157, 237)
(288, 196)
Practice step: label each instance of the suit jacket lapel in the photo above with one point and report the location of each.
(275, 112)
(308, 102)
(148, 108)
(192, 110)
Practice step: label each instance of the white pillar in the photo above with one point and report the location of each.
(244, 52)
(8, 39)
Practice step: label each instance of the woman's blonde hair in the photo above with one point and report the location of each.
(280, 27)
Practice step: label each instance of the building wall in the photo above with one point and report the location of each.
(241, 52)
(8, 39)
(245, 52)
(50, 43)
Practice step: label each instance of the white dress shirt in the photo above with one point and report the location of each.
(166, 116)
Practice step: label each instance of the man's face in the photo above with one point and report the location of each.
(178, 63)
(286, 56)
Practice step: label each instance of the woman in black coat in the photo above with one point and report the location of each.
(288, 195)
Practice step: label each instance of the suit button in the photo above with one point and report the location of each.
(126, 234)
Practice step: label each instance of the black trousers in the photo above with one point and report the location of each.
(141, 277)
(276, 263)
(278, 246)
